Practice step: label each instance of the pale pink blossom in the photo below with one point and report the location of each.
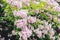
(58, 20)
(38, 32)
(18, 4)
(50, 25)
(52, 2)
(50, 17)
(57, 9)
(15, 13)
(49, 2)
(24, 37)
(21, 13)
(55, 4)
(44, 32)
(52, 32)
(43, 0)
(40, 26)
(21, 23)
(26, 33)
(47, 7)
(31, 19)
(9, 1)
(47, 27)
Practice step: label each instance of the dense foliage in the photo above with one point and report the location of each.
(29, 20)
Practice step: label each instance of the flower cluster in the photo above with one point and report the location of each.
(18, 3)
(39, 18)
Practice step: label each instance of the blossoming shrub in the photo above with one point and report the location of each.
(33, 19)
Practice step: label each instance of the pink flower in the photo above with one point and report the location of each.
(52, 2)
(18, 4)
(9, 1)
(22, 13)
(57, 9)
(51, 32)
(40, 26)
(31, 19)
(26, 33)
(58, 20)
(38, 32)
(50, 25)
(21, 23)
(47, 7)
(15, 13)
(45, 32)
(43, 0)
(24, 37)
(47, 27)
(49, 2)
(55, 4)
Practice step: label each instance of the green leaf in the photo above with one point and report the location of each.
(35, 26)
(41, 5)
(18, 29)
(47, 37)
(33, 5)
(44, 16)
